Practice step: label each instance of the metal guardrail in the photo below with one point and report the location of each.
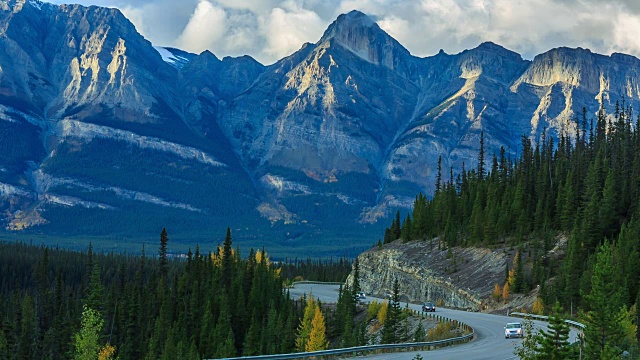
(358, 350)
(316, 282)
(361, 350)
(546, 318)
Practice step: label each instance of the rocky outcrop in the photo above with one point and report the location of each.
(459, 278)
(87, 132)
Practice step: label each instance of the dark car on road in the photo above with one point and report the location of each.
(428, 306)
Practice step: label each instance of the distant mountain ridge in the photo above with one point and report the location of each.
(98, 124)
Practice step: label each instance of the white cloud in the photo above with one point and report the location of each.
(206, 27)
(625, 34)
(286, 28)
(271, 29)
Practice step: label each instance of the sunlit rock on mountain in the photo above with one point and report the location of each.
(339, 134)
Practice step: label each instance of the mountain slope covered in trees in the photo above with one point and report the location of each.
(587, 188)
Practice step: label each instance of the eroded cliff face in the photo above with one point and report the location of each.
(461, 278)
(71, 59)
(87, 101)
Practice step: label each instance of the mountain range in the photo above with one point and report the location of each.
(104, 136)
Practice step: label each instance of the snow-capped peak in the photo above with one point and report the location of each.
(174, 57)
(36, 4)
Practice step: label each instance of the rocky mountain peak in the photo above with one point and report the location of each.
(357, 18)
(492, 47)
(17, 5)
(359, 34)
(492, 60)
(570, 66)
(625, 59)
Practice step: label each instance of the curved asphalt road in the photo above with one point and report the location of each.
(488, 343)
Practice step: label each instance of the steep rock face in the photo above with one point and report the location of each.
(562, 81)
(207, 85)
(461, 279)
(77, 62)
(344, 130)
(359, 34)
(87, 100)
(461, 96)
(330, 113)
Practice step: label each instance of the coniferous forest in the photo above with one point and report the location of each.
(581, 193)
(59, 304)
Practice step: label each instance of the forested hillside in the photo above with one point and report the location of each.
(585, 189)
(60, 304)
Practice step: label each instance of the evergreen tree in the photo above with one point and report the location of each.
(439, 176)
(407, 227)
(270, 335)
(528, 348)
(223, 330)
(608, 217)
(95, 290)
(4, 346)
(481, 170)
(420, 334)
(252, 340)
(26, 342)
(392, 320)
(518, 284)
(227, 262)
(602, 325)
(361, 334)
(227, 349)
(162, 253)
(554, 343)
(396, 227)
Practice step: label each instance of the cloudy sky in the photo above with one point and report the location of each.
(271, 29)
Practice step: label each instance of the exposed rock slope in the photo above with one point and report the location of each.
(462, 278)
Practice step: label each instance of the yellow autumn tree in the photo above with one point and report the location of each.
(497, 292)
(304, 329)
(107, 352)
(538, 307)
(382, 312)
(505, 291)
(216, 257)
(372, 309)
(318, 337)
(260, 255)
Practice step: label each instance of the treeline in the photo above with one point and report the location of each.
(326, 270)
(586, 187)
(58, 304)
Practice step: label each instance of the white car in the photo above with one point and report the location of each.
(360, 296)
(513, 330)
